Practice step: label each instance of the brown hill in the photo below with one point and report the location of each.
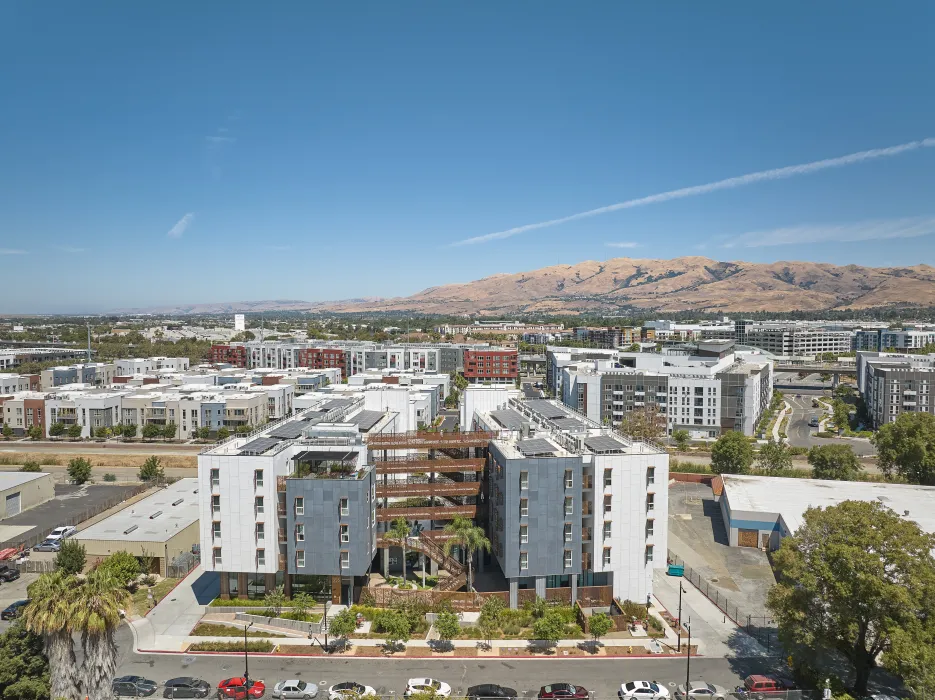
(680, 284)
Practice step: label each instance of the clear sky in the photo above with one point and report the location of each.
(170, 152)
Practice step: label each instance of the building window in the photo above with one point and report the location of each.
(215, 478)
(650, 501)
(300, 505)
(568, 532)
(523, 560)
(650, 527)
(216, 530)
(607, 528)
(606, 556)
(345, 559)
(524, 480)
(569, 506)
(523, 534)
(258, 478)
(651, 475)
(216, 556)
(608, 477)
(216, 504)
(523, 507)
(607, 503)
(258, 505)
(300, 558)
(261, 557)
(569, 481)
(260, 532)
(344, 507)
(567, 559)
(649, 553)
(345, 534)
(299, 532)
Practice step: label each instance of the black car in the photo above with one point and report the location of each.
(13, 610)
(133, 686)
(186, 687)
(8, 573)
(490, 690)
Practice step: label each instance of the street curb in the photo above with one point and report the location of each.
(418, 658)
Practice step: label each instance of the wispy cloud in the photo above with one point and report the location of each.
(13, 251)
(729, 183)
(871, 230)
(181, 225)
(68, 249)
(623, 244)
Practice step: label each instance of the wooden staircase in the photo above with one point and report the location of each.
(428, 547)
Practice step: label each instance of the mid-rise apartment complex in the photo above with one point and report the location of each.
(883, 339)
(793, 338)
(892, 384)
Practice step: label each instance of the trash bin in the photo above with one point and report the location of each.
(676, 570)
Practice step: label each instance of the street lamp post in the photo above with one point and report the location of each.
(246, 658)
(688, 656)
(681, 590)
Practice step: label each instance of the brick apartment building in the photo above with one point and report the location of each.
(323, 358)
(235, 355)
(493, 366)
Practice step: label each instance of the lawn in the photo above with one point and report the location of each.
(139, 601)
(207, 629)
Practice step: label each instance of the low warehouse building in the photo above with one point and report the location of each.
(760, 510)
(161, 526)
(21, 491)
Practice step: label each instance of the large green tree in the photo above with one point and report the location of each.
(732, 454)
(50, 615)
(95, 615)
(774, 456)
(856, 578)
(79, 470)
(398, 534)
(470, 538)
(836, 462)
(71, 558)
(24, 667)
(907, 447)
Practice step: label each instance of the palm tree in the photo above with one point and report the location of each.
(399, 534)
(96, 614)
(469, 537)
(49, 614)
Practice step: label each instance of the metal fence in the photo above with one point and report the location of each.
(759, 624)
(182, 565)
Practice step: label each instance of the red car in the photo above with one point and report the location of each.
(240, 689)
(559, 691)
(759, 687)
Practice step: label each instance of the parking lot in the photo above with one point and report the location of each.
(70, 503)
(698, 536)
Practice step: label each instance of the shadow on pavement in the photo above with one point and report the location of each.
(207, 587)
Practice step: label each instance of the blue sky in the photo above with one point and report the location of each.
(173, 152)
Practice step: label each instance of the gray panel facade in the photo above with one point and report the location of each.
(322, 519)
(450, 360)
(546, 519)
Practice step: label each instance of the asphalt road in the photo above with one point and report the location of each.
(800, 434)
(531, 392)
(147, 448)
(388, 676)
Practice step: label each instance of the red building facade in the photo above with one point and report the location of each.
(494, 366)
(323, 358)
(235, 355)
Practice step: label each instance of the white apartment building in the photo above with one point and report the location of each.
(13, 383)
(151, 365)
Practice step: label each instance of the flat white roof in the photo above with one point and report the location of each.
(791, 497)
(10, 480)
(174, 507)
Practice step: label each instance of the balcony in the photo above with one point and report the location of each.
(424, 464)
(281, 510)
(282, 562)
(587, 508)
(281, 484)
(281, 535)
(426, 513)
(909, 392)
(909, 403)
(586, 535)
(587, 482)
(417, 486)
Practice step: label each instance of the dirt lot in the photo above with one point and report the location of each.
(698, 536)
(112, 459)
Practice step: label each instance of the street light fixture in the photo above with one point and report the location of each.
(688, 656)
(246, 659)
(679, 625)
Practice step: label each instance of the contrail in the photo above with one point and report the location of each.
(729, 183)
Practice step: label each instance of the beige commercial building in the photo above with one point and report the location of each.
(161, 526)
(21, 491)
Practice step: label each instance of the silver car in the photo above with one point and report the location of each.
(699, 690)
(295, 689)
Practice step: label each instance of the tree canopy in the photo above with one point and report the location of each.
(24, 667)
(906, 447)
(732, 454)
(644, 423)
(774, 456)
(837, 462)
(859, 579)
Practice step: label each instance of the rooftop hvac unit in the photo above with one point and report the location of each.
(130, 529)
(175, 503)
(155, 515)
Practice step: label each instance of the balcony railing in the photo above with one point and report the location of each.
(587, 508)
(281, 534)
(281, 484)
(417, 439)
(423, 464)
(281, 510)
(426, 513)
(424, 488)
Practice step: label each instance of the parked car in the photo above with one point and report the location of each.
(13, 610)
(562, 690)
(186, 687)
(699, 690)
(813, 422)
(61, 533)
(349, 690)
(241, 688)
(759, 687)
(427, 685)
(295, 689)
(133, 687)
(48, 546)
(642, 690)
(490, 690)
(8, 573)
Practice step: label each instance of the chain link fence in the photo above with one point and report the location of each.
(182, 565)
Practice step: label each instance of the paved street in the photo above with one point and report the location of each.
(799, 433)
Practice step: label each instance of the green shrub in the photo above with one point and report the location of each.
(631, 609)
(208, 629)
(368, 612)
(510, 629)
(30, 465)
(110, 477)
(826, 434)
(798, 450)
(255, 647)
(242, 603)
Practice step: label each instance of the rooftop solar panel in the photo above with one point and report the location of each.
(604, 443)
(365, 420)
(536, 446)
(335, 403)
(547, 409)
(289, 431)
(258, 446)
(568, 423)
(508, 418)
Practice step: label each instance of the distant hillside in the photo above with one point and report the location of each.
(624, 284)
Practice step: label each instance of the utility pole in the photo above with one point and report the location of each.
(681, 590)
(688, 657)
(89, 342)
(246, 659)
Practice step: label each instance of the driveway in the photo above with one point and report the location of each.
(800, 434)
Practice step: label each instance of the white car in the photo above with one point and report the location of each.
(427, 685)
(645, 690)
(295, 690)
(61, 533)
(349, 690)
